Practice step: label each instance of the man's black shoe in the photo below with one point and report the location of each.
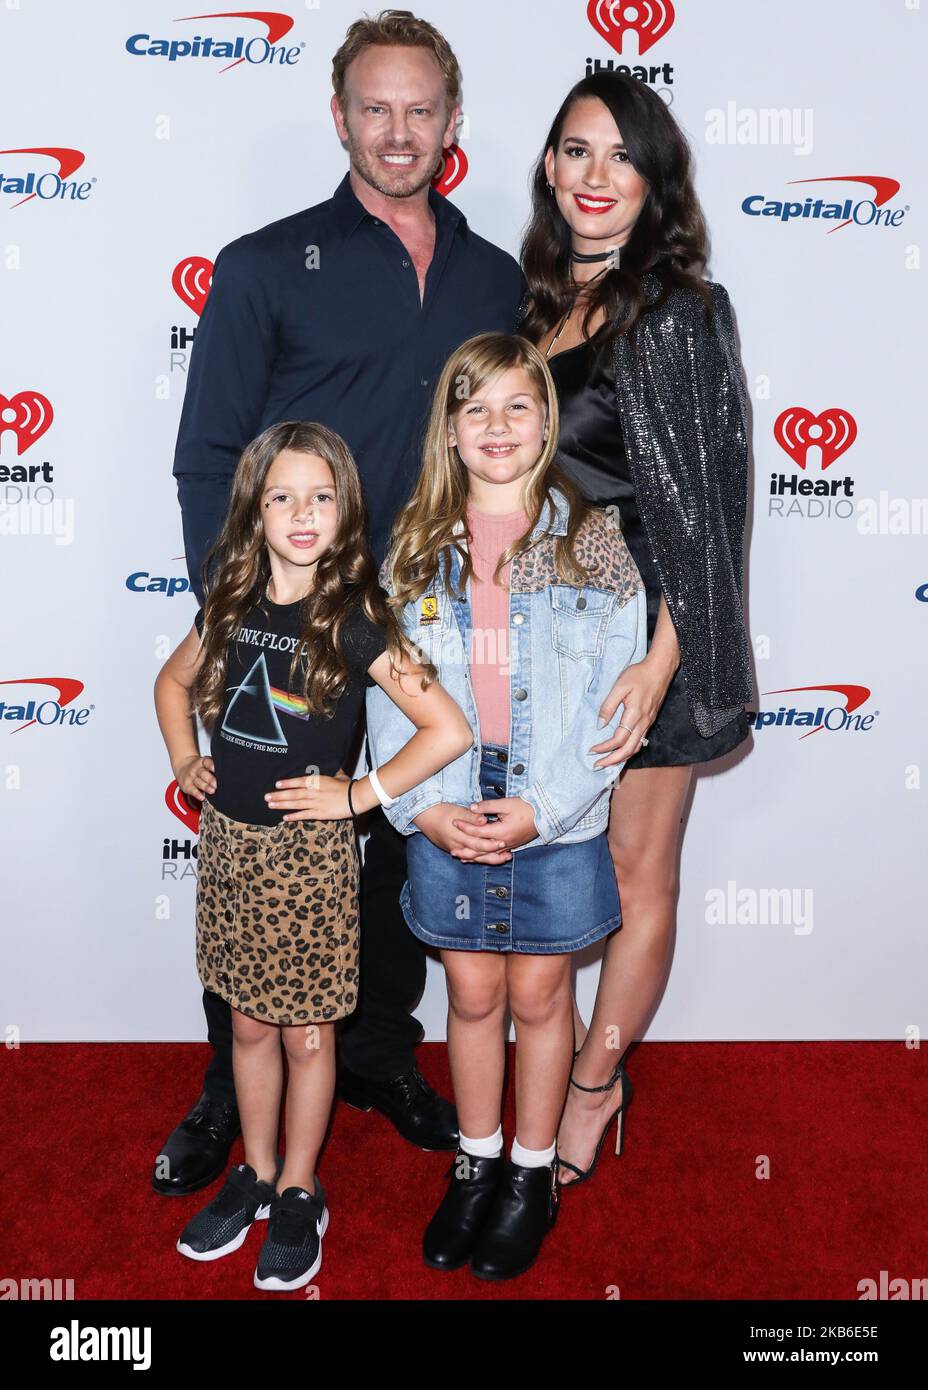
(523, 1212)
(197, 1152)
(452, 1233)
(408, 1101)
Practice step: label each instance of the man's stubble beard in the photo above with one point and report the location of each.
(366, 166)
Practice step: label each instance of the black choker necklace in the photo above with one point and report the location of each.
(596, 256)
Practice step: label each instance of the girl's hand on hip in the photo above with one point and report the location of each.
(516, 826)
(638, 693)
(311, 797)
(196, 776)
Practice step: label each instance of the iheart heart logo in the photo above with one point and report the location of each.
(650, 20)
(191, 280)
(797, 429)
(176, 801)
(452, 172)
(28, 414)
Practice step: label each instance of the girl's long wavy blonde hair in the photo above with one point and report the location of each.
(424, 527)
(345, 579)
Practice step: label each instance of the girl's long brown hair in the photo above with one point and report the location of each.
(345, 579)
(424, 527)
(669, 237)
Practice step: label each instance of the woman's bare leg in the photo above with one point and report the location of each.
(476, 1043)
(644, 835)
(541, 1004)
(258, 1070)
(579, 1028)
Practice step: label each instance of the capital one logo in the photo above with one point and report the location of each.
(48, 185)
(191, 281)
(613, 19)
(59, 710)
(841, 717)
(859, 212)
(452, 170)
(243, 48)
(28, 415)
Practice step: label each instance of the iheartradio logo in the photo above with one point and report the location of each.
(798, 431)
(452, 172)
(28, 415)
(185, 812)
(833, 431)
(191, 281)
(649, 20)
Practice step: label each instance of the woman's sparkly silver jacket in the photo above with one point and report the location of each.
(682, 404)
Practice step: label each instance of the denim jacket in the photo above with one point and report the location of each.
(567, 647)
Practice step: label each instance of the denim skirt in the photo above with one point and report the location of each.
(545, 900)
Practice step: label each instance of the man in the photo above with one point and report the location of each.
(344, 314)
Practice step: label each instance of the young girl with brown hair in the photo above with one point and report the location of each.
(293, 630)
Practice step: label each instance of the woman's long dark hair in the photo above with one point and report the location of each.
(669, 236)
(346, 577)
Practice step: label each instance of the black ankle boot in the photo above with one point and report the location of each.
(523, 1212)
(453, 1230)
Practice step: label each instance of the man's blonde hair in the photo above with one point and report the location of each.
(398, 28)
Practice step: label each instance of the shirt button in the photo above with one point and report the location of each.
(520, 694)
(498, 926)
(518, 768)
(423, 381)
(581, 602)
(405, 265)
(501, 892)
(518, 617)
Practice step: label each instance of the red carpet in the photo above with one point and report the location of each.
(680, 1215)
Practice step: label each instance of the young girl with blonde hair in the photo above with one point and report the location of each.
(529, 605)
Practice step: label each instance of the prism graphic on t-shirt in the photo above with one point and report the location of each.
(251, 713)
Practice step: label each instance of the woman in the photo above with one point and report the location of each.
(653, 411)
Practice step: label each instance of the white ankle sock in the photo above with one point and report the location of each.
(531, 1158)
(491, 1147)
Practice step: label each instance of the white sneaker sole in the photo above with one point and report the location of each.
(274, 1282)
(234, 1244)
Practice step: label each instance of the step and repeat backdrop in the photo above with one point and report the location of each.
(136, 140)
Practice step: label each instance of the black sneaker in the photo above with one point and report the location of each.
(222, 1226)
(292, 1249)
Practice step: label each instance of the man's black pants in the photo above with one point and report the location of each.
(377, 1040)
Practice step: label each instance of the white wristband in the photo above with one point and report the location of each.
(382, 796)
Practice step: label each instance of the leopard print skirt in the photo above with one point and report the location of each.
(277, 917)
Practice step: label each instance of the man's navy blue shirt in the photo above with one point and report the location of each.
(347, 345)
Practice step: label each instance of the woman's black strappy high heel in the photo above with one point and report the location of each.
(627, 1092)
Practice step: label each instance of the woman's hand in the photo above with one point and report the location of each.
(195, 776)
(515, 826)
(311, 797)
(640, 689)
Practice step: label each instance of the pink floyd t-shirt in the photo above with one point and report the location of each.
(263, 731)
